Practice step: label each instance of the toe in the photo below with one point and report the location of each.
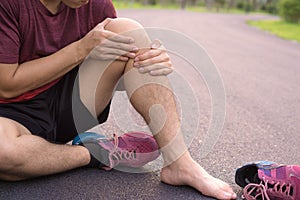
(226, 196)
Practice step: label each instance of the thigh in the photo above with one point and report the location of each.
(10, 131)
(33, 115)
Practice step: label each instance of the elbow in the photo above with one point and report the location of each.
(7, 94)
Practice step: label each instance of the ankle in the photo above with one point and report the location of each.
(85, 155)
(184, 160)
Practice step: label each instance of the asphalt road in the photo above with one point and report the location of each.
(261, 75)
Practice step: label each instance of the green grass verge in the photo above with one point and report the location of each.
(282, 29)
(129, 5)
(122, 4)
(214, 10)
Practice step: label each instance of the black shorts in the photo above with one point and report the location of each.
(53, 113)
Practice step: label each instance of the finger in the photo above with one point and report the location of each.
(106, 21)
(104, 53)
(103, 56)
(155, 44)
(123, 58)
(164, 71)
(107, 50)
(150, 61)
(113, 51)
(117, 37)
(101, 26)
(118, 45)
(148, 55)
(153, 67)
(109, 57)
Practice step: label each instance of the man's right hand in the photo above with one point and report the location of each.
(102, 44)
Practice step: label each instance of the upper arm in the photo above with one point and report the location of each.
(103, 9)
(109, 10)
(9, 32)
(9, 45)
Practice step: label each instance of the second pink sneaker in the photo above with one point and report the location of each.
(269, 181)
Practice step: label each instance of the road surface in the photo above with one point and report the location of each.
(261, 75)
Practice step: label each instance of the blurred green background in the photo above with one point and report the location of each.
(287, 27)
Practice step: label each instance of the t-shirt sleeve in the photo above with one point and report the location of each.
(9, 33)
(109, 10)
(103, 9)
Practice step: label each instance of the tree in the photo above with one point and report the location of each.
(290, 10)
(219, 4)
(231, 4)
(183, 4)
(209, 4)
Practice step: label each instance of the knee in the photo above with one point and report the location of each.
(7, 147)
(120, 25)
(6, 150)
(8, 154)
(131, 28)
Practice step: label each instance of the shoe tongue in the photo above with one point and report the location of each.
(256, 178)
(110, 144)
(107, 144)
(121, 142)
(253, 176)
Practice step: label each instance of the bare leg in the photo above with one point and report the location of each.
(23, 155)
(180, 168)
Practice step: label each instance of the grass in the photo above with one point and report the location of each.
(214, 10)
(280, 28)
(134, 5)
(127, 4)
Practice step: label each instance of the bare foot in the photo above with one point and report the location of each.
(185, 171)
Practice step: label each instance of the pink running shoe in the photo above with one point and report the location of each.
(270, 181)
(134, 149)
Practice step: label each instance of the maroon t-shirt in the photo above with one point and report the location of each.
(28, 31)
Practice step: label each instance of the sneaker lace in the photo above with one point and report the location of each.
(265, 189)
(117, 154)
(255, 191)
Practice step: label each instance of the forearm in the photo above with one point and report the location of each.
(36, 73)
(17, 79)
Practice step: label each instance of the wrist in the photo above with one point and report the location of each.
(81, 51)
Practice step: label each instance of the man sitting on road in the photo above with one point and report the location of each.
(43, 46)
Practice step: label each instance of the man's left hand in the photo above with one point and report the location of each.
(156, 61)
